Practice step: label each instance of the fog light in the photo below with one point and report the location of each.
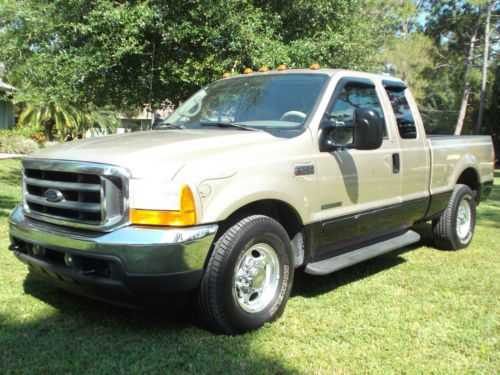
(68, 260)
(38, 250)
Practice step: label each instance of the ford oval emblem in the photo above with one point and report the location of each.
(53, 195)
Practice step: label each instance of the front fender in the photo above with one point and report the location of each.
(229, 195)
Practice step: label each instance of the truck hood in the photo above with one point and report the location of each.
(159, 154)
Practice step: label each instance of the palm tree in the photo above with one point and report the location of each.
(59, 118)
(98, 119)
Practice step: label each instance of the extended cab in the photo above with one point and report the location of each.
(251, 178)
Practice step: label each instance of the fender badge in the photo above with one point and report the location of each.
(302, 170)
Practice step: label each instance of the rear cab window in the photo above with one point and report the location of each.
(401, 108)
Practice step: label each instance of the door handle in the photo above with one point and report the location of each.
(395, 163)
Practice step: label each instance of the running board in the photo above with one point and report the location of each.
(345, 260)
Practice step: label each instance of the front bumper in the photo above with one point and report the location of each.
(123, 266)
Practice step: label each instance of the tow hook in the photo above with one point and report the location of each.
(15, 247)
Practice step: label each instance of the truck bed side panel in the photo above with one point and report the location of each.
(451, 155)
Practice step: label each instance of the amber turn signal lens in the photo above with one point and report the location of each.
(184, 217)
(247, 71)
(282, 67)
(226, 75)
(315, 66)
(263, 69)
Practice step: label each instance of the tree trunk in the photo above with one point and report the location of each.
(49, 128)
(486, 52)
(465, 95)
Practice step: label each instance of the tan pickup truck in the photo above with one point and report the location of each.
(251, 178)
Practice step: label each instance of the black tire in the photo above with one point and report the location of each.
(216, 299)
(444, 229)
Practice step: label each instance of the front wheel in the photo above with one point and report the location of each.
(248, 278)
(455, 228)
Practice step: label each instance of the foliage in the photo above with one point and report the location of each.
(128, 53)
(427, 48)
(492, 115)
(409, 58)
(16, 144)
(124, 54)
(58, 117)
(28, 132)
(416, 310)
(450, 25)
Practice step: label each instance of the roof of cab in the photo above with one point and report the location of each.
(324, 71)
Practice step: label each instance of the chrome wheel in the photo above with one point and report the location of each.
(256, 277)
(463, 219)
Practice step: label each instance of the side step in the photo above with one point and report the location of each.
(345, 260)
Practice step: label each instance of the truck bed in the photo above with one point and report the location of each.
(451, 154)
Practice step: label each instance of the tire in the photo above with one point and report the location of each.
(451, 231)
(226, 301)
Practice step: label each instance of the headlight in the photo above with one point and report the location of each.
(161, 203)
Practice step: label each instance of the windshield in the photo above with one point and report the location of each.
(281, 101)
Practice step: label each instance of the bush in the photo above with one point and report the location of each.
(39, 138)
(16, 144)
(35, 134)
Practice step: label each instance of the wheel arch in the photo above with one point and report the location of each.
(279, 210)
(470, 177)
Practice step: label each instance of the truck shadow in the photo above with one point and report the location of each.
(306, 285)
(91, 333)
(101, 338)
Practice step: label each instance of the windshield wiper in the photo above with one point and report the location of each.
(168, 125)
(229, 125)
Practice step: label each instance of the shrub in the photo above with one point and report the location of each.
(39, 138)
(16, 144)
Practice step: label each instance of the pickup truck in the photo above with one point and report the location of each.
(252, 178)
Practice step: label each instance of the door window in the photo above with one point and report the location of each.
(352, 96)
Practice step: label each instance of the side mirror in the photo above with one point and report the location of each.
(364, 133)
(367, 131)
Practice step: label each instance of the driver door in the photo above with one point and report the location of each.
(359, 190)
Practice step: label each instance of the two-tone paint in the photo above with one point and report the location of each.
(347, 197)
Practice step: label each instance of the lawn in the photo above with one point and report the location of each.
(416, 310)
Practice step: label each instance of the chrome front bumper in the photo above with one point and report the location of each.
(141, 250)
(131, 266)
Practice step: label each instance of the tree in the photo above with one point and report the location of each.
(467, 85)
(127, 53)
(455, 27)
(492, 112)
(408, 59)
(406, 52)
(484, 76)
(60, 119)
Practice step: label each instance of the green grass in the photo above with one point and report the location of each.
(416, 310)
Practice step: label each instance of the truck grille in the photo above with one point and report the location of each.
(88, 195)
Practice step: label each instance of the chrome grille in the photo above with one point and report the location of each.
(78, 194)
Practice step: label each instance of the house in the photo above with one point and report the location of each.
(139, 121)
(143, 119)
(6, 107)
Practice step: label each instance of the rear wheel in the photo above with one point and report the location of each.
(248, 278)
(455, 228)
